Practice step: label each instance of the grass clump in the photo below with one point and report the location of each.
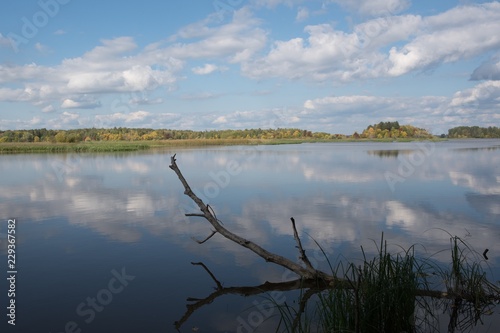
(399, 293)
(381, 297)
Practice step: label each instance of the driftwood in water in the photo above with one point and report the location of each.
(311, 278)
(307, 272)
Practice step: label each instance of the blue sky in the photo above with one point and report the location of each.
(332, 65)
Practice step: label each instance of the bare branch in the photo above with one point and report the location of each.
(306, 273)
(309, 277)
(246, 291)
(219, 285)
(302, 252)
(203, 241)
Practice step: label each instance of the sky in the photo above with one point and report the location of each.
(334, 66)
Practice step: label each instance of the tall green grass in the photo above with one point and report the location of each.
(87, 147)
(113, 146)
(381, 297)
(398, 293)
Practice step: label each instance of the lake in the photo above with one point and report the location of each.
(103, 245)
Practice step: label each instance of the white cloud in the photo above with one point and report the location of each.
(14, 95)
(220, 120)
(83, 102)
(130, 117)
(488, 70)
(60, 32)
(331, 54)
(48, 109)
(41, 48)
(101, 70)
(117, 66)
(207, 69)
(460, 33)
(238, 40)
(434, 113)
(137, 119)
(341, 102)
(302, 14)
(485, 93)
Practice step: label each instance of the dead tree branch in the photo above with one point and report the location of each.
(308, 277)
(302, 252)
(217, 282)
(248, 291)
(203, 241)
(306, 273)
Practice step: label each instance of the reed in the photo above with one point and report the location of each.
(396, 293)
(115, 146)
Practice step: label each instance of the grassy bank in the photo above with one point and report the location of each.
(115, 146)
(16, 148)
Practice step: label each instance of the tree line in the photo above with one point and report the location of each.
(474, 132)
(140, 134)
(392, 130)
(382, 130)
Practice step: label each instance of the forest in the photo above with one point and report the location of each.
(474, 132)
(392, 130)
(148, 134)
(382, 130)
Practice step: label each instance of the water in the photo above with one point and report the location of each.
(102, 243)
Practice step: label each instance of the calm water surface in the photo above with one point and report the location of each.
(103, 244)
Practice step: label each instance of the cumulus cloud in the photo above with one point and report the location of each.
(118, 66)
(485, 93)
(103, 69)
(220, 120)
(48, 109)
(126, 117)
(460, 33)
(332, 54)
(342, 102)
(138, 118)
(207, 69)
(384, 44)
(434, 113)
(488, 70)
(69, 103)
(237, 40)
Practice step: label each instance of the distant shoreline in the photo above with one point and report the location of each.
(129, 146)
